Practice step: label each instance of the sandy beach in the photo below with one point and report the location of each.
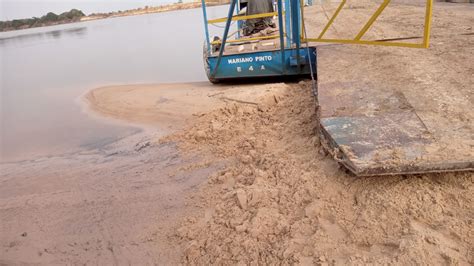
(176, 106)
(236, 174)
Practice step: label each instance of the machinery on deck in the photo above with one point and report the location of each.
(357, 141)
(262, 55)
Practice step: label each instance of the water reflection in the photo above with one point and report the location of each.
(75, 31)
(30, 37)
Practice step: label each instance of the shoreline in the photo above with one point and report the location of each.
(125, 13)
(145, 10)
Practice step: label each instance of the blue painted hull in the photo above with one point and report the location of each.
(261, 64)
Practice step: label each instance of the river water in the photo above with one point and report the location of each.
(44, 71)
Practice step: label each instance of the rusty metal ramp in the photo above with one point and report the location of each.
(371, 127)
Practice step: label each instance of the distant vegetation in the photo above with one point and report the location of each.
(76, 15)
(144, 10)
(46, 20)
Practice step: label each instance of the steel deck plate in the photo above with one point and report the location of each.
(373, 130)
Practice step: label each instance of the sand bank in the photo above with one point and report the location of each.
(168, 106)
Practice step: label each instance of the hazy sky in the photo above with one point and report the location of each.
(13, 9)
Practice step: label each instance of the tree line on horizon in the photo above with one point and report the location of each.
(75, 15)
(49, 19)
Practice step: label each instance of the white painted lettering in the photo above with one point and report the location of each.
(240, 60)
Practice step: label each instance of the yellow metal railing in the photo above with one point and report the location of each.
(245, 17)
(248, 39)
(339, 8)
(242, 17)
(372, 19)
(370, 22)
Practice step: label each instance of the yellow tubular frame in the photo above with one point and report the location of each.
(372, 19)
(429, 13)
(240, 17)
(332, 19)
(248, 39)
(370, 22)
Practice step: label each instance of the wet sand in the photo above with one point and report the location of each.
(113, 206)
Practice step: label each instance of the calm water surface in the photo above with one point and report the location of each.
(44, 71)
